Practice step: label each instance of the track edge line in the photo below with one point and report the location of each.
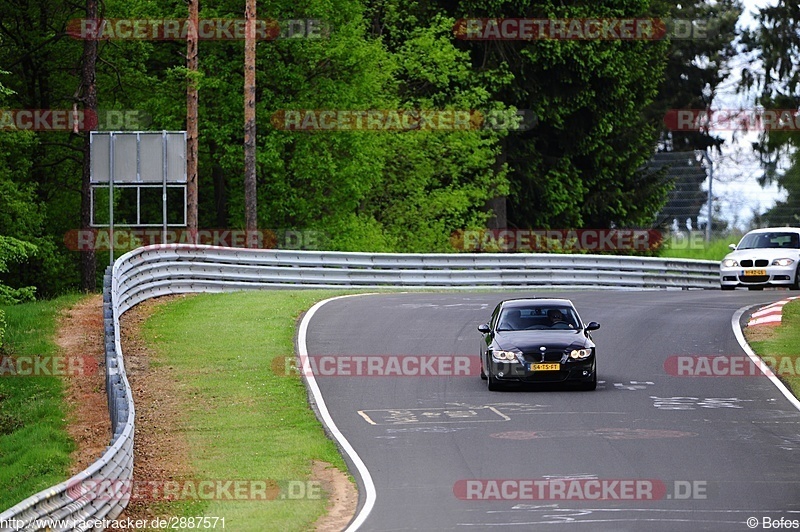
(739, 334)
(327, 420)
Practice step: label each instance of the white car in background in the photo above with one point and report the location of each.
(763, 257)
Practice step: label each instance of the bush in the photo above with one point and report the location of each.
(15, 250)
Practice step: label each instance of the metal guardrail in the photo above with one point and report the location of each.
(74, 502)
(159, 270)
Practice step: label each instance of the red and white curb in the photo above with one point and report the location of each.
(771, 314)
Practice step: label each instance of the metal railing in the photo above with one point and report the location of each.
(75, 503)
(153, 271)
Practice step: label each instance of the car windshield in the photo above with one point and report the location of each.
(778, 240)
(545, 317)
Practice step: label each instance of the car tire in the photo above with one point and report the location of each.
(491, 383)
(483, 373)
(727, 287)
(796, 284)
(591, 385)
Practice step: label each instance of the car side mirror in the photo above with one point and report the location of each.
(485, 329)
(732, 247)
(592, 326)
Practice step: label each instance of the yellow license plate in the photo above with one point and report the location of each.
(748, 273)
(545, 367)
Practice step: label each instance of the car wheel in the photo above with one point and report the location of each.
(483, 373)
(491, 383)
(727, 287)
(796, 284)
(755, 287)
(592, 384)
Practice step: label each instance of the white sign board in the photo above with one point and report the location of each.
(130, 157)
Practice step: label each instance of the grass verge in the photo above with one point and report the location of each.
(241, 420)
(781, 341)
(34, 445)
(714, 250)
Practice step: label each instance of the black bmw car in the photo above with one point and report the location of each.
(536, 341)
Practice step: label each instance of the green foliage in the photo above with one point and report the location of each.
(776, 41)
(680, 248)
(40, 171)
(695, 68)
(13, 250)
(5, 91)
(579, 166)
(786, 211)
(597, 103)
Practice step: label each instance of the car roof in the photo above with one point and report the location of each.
(531, 301)
(776, 230)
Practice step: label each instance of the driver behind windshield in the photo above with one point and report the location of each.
(536, 318)
(555, 316)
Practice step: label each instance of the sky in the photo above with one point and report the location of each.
(736, 169)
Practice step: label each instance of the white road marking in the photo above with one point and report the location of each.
(737, 331)
(689, 403)
(366, 417)
(370, 494)
(410, 416)
(633, 385)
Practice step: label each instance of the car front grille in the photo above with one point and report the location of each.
(549, 356)
(748, 263)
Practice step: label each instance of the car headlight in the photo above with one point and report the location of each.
(580, 354)
(505, 356)
(782, 262)
(730, 263)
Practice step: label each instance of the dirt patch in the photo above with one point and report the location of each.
(160, 450)
(759, 333)
(80, 335)
(342, 497)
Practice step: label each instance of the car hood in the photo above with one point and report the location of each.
(527, 341)
(763, 253)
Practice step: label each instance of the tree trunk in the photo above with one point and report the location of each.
(191, 122)
(251, 211)
(88, 259)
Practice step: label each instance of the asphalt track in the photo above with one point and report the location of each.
(718, 450)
